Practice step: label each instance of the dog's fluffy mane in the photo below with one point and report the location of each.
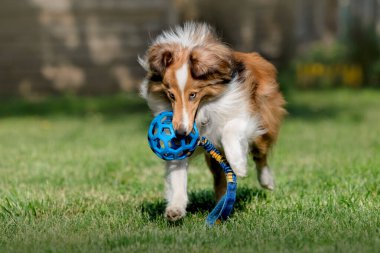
(190, 35)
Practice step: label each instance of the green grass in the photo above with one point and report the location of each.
(77, 175)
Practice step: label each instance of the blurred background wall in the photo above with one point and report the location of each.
(90, 47)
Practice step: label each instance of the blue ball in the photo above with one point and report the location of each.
(165, 143)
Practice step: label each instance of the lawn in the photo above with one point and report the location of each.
(77, 175)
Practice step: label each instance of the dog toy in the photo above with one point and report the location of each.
(168, 146)
(164, 142)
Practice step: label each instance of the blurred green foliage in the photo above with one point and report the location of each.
(352, 60)
(364, 48)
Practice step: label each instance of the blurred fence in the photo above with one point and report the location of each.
(90, 46)
(87, 46)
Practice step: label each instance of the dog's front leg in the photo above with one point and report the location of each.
(235, 147)
(176, 189)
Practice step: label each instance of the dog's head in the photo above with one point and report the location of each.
(188, 66)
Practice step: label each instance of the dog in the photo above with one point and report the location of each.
(232, 97)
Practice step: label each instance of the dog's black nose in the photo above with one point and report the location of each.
(181, 130)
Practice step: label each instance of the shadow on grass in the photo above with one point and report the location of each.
(109, 106)
(203, 201)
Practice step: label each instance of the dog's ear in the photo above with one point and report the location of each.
(213, 61)
(160, 57)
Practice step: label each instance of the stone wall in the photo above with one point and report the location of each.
(91, 46)
(84, 47)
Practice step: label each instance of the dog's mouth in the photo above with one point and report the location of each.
(185, 125)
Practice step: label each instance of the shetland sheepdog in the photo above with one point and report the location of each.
(232, 97)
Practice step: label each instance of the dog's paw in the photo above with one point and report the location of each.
(174, 213)
(266, 179)
(240, 172)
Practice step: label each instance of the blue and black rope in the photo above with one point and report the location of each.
(225, 205)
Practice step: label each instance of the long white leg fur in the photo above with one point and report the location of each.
(235, 146)
(176, 189)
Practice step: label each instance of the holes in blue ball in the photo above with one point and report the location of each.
(166, 120)
(184, 153)
(169, 156)
(175, 143)
(155, 129)
(160, 143)
(157, 143)
(166, 131)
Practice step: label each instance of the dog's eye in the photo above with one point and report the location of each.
(192, 96)
(171, 95)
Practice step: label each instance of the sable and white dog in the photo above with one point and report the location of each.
(232, 97)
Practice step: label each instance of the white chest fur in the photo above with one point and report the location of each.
(229, 115)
